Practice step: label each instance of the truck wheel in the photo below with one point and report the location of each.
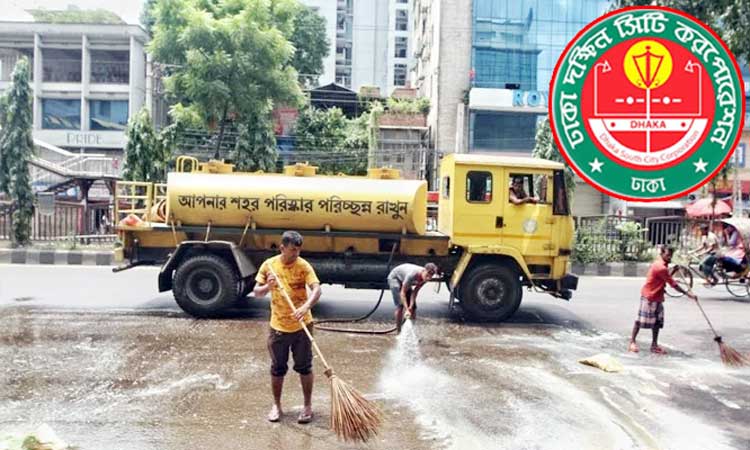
(205, 285)
(491, 293)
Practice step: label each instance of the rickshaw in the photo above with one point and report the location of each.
(738, 284)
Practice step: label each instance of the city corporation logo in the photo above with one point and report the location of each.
(647, 104)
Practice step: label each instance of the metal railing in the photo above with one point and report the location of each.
(61, 70)
(133, 197)
(69, 221)
(604, 235)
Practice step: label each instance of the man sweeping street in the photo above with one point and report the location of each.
(286, 333)
(405, 281)
(651, 311)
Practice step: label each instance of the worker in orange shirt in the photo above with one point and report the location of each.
(651, 311)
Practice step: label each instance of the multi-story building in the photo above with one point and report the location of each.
(373, 44)
(486, 67)
(87, 79)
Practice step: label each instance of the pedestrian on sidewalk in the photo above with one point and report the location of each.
(405, 281)
(286, 333)
(651, 311)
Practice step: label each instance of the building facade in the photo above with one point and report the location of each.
(328, 10)
(373, 44)
(87, 79)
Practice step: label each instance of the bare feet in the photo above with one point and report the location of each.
(305, 416)
(658, 350)
(275, 414)
(633, 347)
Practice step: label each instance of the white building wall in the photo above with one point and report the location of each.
(327, 10)
(370, 44)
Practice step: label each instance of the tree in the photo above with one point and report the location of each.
(16, 149)
(331, 141)
(228, 60)
(311, 45)
(145, 157)
(256, 145)
(546, 148)
(148, 15)
(728, 18)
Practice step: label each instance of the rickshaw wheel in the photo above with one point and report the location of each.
(737, 286)
(684, 279)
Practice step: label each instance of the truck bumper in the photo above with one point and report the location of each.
(569, 281)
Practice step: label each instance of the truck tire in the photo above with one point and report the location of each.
(491, 293)
(205, 285)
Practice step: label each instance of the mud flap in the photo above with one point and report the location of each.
(230, 250)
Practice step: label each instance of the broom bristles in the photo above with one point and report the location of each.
(732, 357)
(353, 417)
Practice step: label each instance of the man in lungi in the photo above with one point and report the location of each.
(651, 311)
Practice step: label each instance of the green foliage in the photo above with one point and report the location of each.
(97, 16)
(633, 245)
(16, 148)
(592, 245)
(146, 155)
(419, 105)
(545, 148)
(256, 145)
(729, 18)
(229, 59)
(147, 15)
(311, 45)
(332, 142)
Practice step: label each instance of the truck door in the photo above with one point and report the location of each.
(528, 221)
(476, 204)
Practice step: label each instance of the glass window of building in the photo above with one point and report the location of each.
(399, 74)
(519, 41)
(59, 114)
(61, 66)
(402, 20)
(402, 44)
(503, 132)
(402, 1)
(111, 67)
(108, 114)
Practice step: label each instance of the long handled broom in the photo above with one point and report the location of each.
(729, 356)
(353, 417)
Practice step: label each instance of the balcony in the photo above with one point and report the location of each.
(61, 66)
(110, 72)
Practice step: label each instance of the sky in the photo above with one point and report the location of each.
(128, 10)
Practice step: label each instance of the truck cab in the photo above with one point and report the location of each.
(505, 245)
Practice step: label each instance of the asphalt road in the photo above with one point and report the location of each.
(107, 362)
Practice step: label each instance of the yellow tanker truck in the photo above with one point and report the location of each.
(210, 228)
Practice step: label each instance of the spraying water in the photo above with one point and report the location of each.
(407, 346)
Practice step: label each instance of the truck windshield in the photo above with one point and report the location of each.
(560, 202)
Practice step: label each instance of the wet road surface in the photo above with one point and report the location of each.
(109, 364)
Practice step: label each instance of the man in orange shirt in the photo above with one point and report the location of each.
(286, 333)
(651, 311)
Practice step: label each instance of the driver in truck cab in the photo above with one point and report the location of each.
(517, 194)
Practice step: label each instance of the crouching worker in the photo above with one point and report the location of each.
(286, 333)
(405, 281)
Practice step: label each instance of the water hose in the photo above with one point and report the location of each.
(361, 318)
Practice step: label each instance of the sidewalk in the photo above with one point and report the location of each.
(56, 256)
